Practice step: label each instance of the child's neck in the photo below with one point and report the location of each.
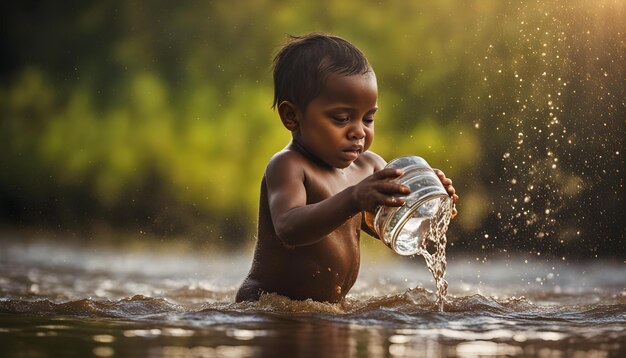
(295, 145)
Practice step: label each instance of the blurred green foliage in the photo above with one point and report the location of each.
(155, 116)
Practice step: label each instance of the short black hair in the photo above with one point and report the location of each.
(302, 66)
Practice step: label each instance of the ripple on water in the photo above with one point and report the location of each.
(133, 307)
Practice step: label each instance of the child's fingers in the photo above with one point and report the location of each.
(387, 173)
(442, 175)
(393, 201)
(387, 187)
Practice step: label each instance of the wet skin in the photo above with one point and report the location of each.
(314, 191)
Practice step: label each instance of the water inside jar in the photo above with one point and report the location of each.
(415, 228)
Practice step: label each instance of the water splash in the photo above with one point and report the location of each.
(555, 95)
(436, 261)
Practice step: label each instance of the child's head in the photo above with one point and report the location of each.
(303, 65)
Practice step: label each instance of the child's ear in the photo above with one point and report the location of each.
(289, 115)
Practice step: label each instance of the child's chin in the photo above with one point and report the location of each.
(350, 156)
(344, 164)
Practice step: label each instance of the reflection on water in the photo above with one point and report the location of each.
(70, 301)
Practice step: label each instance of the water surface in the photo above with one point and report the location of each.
(66, 300)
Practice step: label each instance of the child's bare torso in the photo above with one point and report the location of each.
(323, 271)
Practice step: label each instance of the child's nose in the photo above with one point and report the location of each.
(357, 131)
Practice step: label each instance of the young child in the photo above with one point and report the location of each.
(315, 190)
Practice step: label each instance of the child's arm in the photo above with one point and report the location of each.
(297, 223)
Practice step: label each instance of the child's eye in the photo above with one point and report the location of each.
(341, 119)
(368, 120)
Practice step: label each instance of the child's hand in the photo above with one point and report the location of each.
(378, 189)
(447, 183)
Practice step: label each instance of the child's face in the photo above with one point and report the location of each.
(338, 125)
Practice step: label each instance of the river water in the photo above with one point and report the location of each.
(82, 301)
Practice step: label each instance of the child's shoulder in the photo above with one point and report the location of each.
(286, 161)
(372, 160)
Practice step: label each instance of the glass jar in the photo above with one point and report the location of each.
(403, 228)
